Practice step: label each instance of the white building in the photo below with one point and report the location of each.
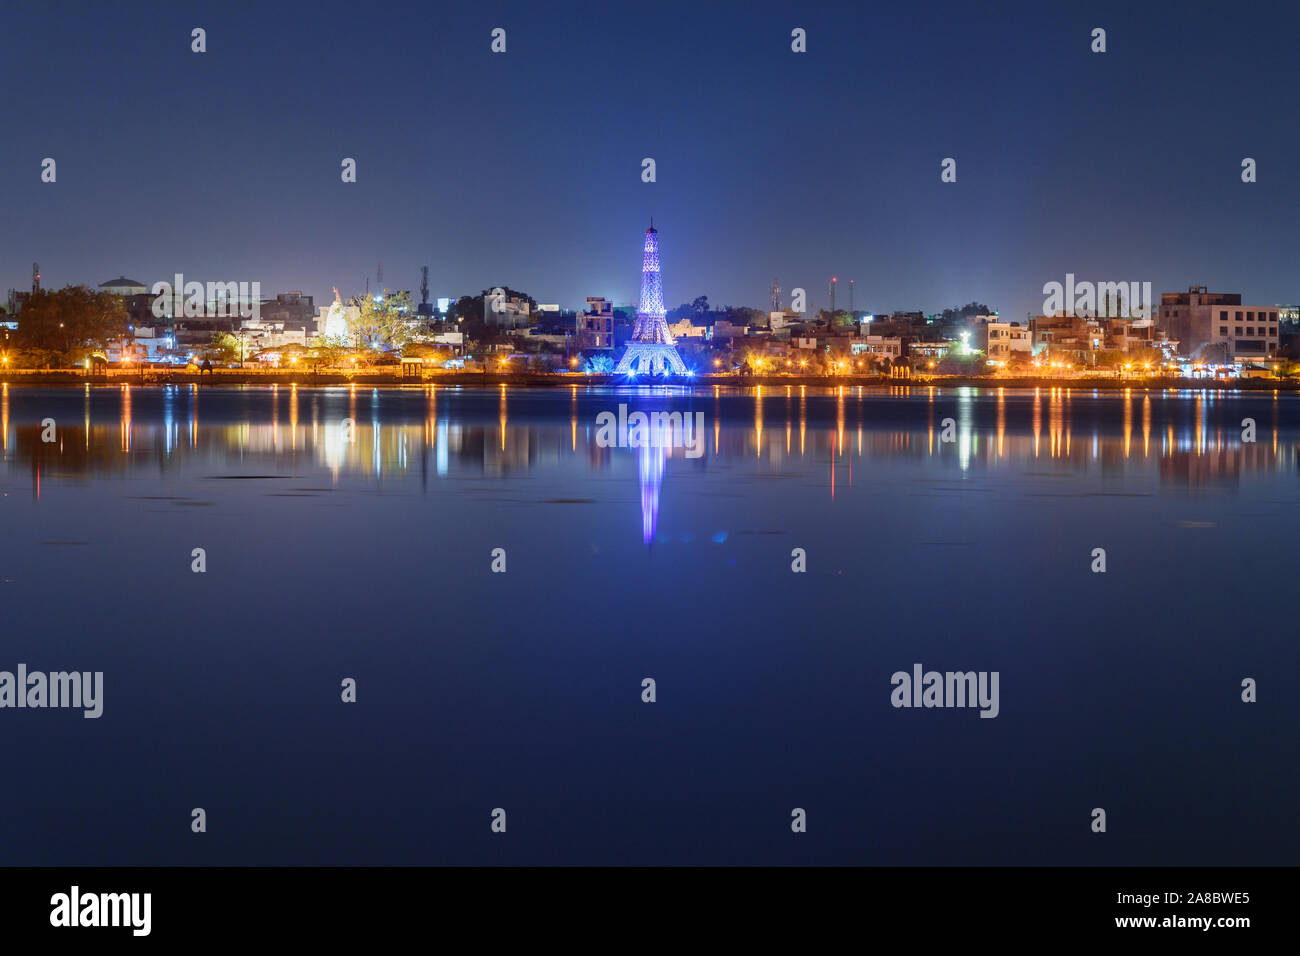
(503, 311)
(877, 346)
(686, 329)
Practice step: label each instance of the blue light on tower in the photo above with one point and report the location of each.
(651, 350)
(652, 283)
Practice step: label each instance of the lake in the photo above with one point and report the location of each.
(351, 533)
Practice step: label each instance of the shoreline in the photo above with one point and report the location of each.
(239, 378)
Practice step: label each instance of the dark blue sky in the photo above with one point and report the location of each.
(523, 169)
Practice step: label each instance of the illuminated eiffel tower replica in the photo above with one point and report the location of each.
(651, 351)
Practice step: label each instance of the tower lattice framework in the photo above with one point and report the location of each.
(651, 350)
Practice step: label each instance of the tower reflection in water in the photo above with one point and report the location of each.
(1180, 439)
(651, 461)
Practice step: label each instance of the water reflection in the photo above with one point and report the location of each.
(1184, 439)
(651, 460)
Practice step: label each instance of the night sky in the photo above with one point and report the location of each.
(524, 169)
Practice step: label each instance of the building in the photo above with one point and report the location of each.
(139, 302)
(1216, 326)
(1133, 335)
(506, 311)
(686, 329)
(1065, 336)
(1001, 341)
(595, 326)
(123, 286)
(880, 347)
(782, 319)
(293, 310)
(723, 329)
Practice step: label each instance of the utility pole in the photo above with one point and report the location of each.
(834, 281)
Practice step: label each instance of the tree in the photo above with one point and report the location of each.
(1109, 358)
(224, 347)
(961, 312)
(757, 359)
(467, 308)
(420, 350)
(954, 364)
(742, 316)
(67, 323)
(700, 306)
(383, 321)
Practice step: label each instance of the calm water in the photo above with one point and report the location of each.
(368, 556)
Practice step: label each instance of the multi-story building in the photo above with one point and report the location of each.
(139, 302)
(877, 346)
(1064, 332)
(506, 311)
(595, 326)
(1001, 341)
(293, 310)
(1216, 326)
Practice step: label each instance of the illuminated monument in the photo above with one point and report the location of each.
(651, 351)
